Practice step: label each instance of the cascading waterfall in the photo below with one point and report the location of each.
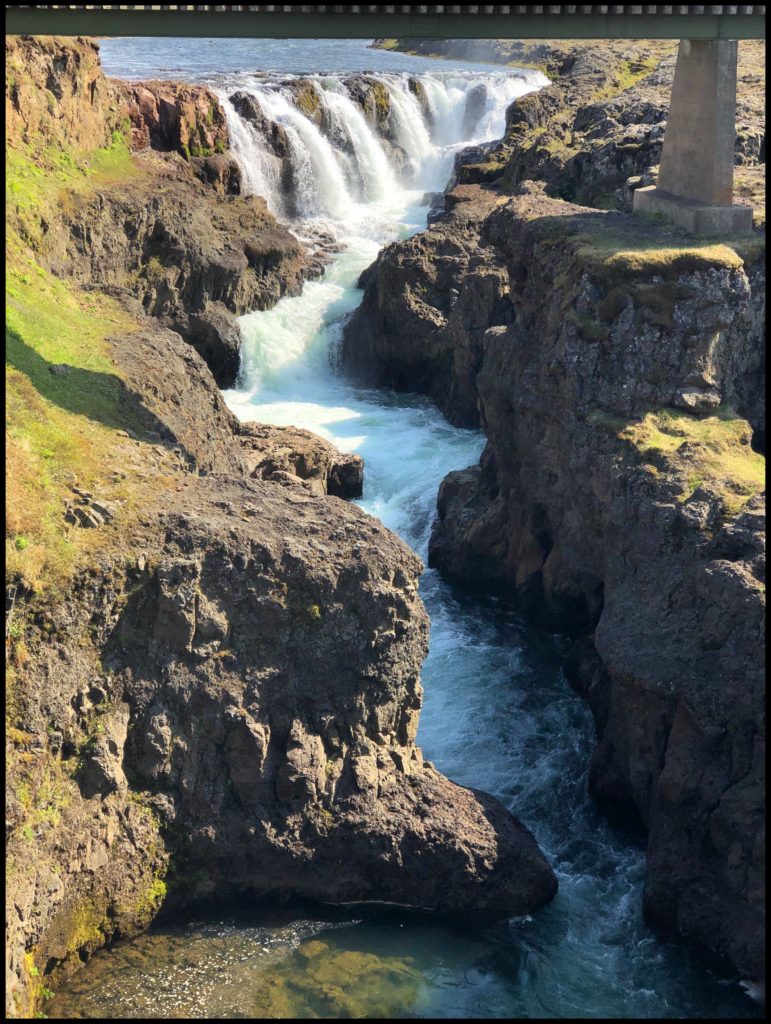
(345, 166)
(376, 176)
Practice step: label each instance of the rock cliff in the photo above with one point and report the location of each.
(616, 369)
(170, 226)
(213, 663)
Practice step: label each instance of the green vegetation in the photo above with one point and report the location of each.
(617, 249)
(59, 428)
(589, 329)
(313, 613)
(38, 181)
(719, 454)
(65, 397)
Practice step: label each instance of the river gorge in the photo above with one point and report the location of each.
(352, 149)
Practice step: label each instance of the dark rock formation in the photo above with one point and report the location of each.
(222, 173)
(195, 259)
(606, 507)
(291, 456)
(427, 303)
(231, 692)
(374, 100)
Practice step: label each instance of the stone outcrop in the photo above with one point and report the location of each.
(427, 303)
(174, 117)
(374, 100)
(232, 702)
(56, 93)
(193, 257)
(291, 456)
(618, 498)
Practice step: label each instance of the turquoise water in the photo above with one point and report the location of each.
(498, 715)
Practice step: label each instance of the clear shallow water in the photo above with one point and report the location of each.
(498, 715)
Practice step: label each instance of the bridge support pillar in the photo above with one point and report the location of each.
(695, 184)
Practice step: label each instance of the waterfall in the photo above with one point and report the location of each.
(377, 177)
(261, 169)
(337, 165)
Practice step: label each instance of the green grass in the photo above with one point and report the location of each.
(39, 180)
(720, 454)
(618, 248)
(60, 429)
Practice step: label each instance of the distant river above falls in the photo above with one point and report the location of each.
(498, 714)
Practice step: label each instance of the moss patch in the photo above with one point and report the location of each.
(714, 451)
(615, 247)
(60, 426)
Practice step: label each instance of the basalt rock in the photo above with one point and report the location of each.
(196, 259)
(427, 303)
(275, 453)
(55, 91)
(227, 700)
(271, 132)
(607, 510)
(374, 100)
(222, 173)
(174, 116)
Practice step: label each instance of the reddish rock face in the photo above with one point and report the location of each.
(173, 116)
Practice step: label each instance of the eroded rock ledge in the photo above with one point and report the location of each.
(232, 707)
(619, 498)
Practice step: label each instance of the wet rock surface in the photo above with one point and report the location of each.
(427, 302)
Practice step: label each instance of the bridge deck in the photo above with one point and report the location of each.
(427, 21)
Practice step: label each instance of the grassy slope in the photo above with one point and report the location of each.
(60, 428)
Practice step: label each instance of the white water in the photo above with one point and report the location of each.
(346, 175)
(286, 374)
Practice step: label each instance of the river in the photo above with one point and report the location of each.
(498, 714)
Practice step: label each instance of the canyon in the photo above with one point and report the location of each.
(221, 693)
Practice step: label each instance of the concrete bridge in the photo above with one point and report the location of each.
(695, 184)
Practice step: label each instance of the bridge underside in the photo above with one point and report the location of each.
(431, 21)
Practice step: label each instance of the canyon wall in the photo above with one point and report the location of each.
(616, 368)
(213, 662)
